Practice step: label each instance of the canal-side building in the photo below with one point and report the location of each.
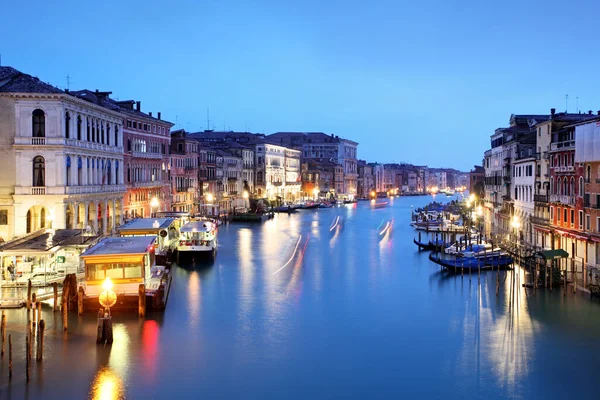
(319, 146)
(146, 141)
(523, 176)
(62, 159)
(184, 172)
(365, 181)
(476, 180)
(587, 153)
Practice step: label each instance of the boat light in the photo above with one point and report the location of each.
(107, 284)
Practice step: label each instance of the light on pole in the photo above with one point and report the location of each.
(154, 206)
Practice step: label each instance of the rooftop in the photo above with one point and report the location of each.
(120, 245)
(14, 81)
(46, 241)
(150, 224)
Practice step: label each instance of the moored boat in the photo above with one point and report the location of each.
(166, 231)
(197, 238)
(127, 262)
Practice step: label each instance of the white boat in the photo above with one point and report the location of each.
(166, 231)
(197, 237)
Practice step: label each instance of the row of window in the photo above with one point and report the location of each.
(524, 170)
(146, 127)
(95, 130)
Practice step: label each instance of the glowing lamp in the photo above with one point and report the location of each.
(245, 194)
(209, 197)
(107, 284)
(154, 202)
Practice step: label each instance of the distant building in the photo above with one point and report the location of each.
(476, 180)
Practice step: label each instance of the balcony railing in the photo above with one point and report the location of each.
(540, 220)
(149, 184)
(562, 198)
(62, 190)
(60, 141)
(143, 154)
(565, 145)
(540, 198)
(38, 190)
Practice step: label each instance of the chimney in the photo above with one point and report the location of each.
(150, 113)
(158, 115)
(138, 105)
(598, 112)
(552, 111)
(590, 112)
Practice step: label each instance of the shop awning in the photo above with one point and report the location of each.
(552, 254)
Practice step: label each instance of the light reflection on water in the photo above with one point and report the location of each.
(352, 314)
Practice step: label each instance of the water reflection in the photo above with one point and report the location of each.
(107, 385)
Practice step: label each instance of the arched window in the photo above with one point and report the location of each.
(581, 184)
(107, 133)
(79, 127)
(116, 135)
(102, 138)
(68, 170)
(39, 171)
(88, 129)
(108, 174)
(43, 218)
(117, 172)
(128, 173)
(572, 187)
(67, 124)
(39, 123)
(128, 144)
(79, 171)
(588, 173)
(552, 188)
(29, 217)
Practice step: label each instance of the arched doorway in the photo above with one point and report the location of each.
(69, 217)
(109, 214)
(35, 218)
(101, 227)
(81, 216)
(29, 221)
(92, 215)
(118, 212)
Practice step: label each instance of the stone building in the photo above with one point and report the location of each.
(61, 157)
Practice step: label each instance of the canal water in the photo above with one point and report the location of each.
(326, 304)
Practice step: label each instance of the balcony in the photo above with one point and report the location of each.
(561, 198)
(143, 154)
(60, 141)
(506, 178)
(232, 179)
(148, 184)
(565, 145)
(540, 220)
(540, 198)
(67, 190)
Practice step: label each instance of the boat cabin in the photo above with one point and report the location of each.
(197, 236)
(127, 261)
(165, 230)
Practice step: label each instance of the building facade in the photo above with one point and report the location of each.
(62, 159)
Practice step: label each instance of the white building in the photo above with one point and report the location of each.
(293, 175)
(523, 173)
(61, 159)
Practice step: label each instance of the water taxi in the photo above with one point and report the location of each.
(197, 237)
(166, 231)
(128, 262)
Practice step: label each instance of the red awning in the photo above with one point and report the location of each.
(539, 228)
(573, 235)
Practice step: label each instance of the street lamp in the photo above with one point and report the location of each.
(209, 198)
(154, 205)
(107, 298)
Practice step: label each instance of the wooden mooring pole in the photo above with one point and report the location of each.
(3, 329)
(80, 300)
(142, 300)
(55, 303)
(40, 340)
(9, 357)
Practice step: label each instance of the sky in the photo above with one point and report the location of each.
(424, 82)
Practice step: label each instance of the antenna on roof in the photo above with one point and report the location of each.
(566, 102)
(207, 118)
(577, 104)
(68, 82)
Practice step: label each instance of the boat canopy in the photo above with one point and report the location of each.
(120, 245)
(198, 226)
(552, 254)
(142, 226)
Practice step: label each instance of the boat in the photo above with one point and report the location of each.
(285, 209)
(325, 205)
(309, 206)
(436, 245)
(473, 249)
(502, 260)
(197, 238)
(166, 231)
(379, 205)
(127, 263)
(252, 217)
(349, 201)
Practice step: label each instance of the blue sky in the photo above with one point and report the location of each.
(424, 82)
